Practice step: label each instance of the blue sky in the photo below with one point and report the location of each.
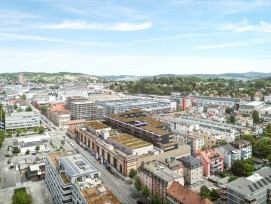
(138, 37)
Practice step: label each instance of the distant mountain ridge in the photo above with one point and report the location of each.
(241, 76)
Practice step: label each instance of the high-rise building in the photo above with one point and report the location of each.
(82, 108)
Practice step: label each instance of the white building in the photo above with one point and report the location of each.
(69, 176)
(267, 99)
(18, 120)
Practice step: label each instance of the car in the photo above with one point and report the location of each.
(16, 168)
(139, 202)
(9, 161)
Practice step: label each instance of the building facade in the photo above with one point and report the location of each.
(20, 120)
(193, 170)
(255, 189)
(212, 161)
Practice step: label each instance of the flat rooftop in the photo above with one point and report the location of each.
(100, 195)
(130, 141)
(97, 125)
(76, 164)
(53, 157)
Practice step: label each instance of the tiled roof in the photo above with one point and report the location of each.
(185, 195)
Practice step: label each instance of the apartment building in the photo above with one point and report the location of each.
(71, 178)
(82, 108)
(158, 178)
(255, 189)
(237, 150)
(196, 141)
(244, 149)
(227, 132)
(192, 169)
(178, 194)
(58, 114)
(18, 120)
(137, 123)
(212, 161)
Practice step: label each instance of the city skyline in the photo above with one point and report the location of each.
(135, 38)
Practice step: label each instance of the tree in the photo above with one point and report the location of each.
(205, 192)
(27, 152)
(231, 119)
(256, 117)
(138, 185)
(28, 109)
(15, 106)
(43, 109)
(262, 147)
(41, 129)
(16, 150)
(229, 110)
(37, 148)
(267, 130)
(224, 142)
(242, 168)
(9, 132)
(23, 96)
(155, 199)
(145, 191)
(132, 173)
(214, 194)
(18, 131)
(269, 158)
(24, 130)
(36, 129)
(21, 197)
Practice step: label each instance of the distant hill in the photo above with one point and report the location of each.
(43, 77)
(241, 76)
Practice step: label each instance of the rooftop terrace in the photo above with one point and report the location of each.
(100, 195)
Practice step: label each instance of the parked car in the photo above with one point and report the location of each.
(9, 161)
(16, 168)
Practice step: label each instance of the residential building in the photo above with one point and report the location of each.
(58, 114)
(227, 132)
(196, 141)
(158, 178)
(70, 123)
(178, 194)
(71, 178)
(137, 123)
(18, 120)
(192, 168)
(212, 161)
(36, 172)
(255, 189)
(230, 155)
(267, 99)
(244, 149)
(82, 108)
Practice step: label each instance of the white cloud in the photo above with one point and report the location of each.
(12, 36)
(237, 6)
(243, 26)
(79, 24)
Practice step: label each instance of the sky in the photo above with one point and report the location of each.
(135, 37)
